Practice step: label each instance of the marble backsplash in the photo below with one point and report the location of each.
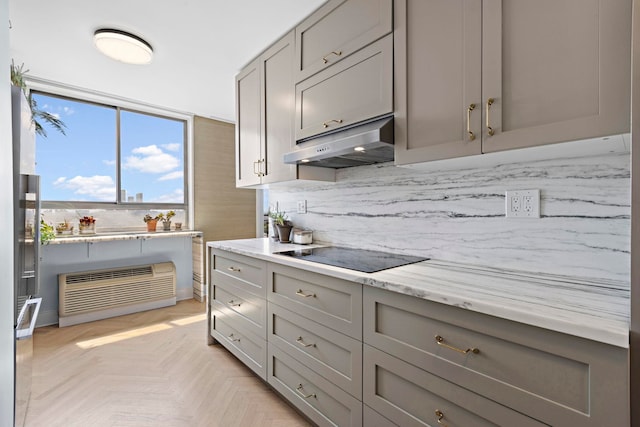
(583, 231)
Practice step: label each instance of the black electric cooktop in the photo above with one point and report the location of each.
(354, 259)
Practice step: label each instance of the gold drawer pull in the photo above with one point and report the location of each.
(232, 303)
(336, 53)
(472, 136)
(490, 130)
(440, 342)
(302, 343)
(326, 124)
(301, 293)
(235, 269)
(440, 416)
(232, 338)
(300, 391)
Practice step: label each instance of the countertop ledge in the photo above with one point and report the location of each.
(597, 310)
(115, 236)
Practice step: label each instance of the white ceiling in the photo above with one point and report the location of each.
(199, 46)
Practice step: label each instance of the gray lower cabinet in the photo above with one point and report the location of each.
(322, 401)
(335, 356)
(346, 354)
(315, 344)
(334, 303)
(238, 307)
(410, 396)
(557, 379)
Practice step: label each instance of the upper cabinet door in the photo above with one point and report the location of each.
(248, 141)
(338, 29)
(437, 65)
(556, 70)
(278, 109)
(358, 88)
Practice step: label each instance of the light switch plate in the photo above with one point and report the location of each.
(522, 204)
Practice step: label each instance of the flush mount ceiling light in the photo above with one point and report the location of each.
(123, 46)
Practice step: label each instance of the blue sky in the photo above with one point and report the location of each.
(81, 166)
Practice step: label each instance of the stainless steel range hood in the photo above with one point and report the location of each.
(362, 144)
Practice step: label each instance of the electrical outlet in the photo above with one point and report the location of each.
(522, 204)
(302, 206)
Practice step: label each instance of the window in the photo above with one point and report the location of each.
(110, 154)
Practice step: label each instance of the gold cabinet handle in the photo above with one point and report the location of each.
(301, 293)
(303, 344)
(232, 338)
(440, 342)
(326, 124)
(471, 107)
(256, 172)
(336, 53)
(235, 269)
(440, 416)
(490, 130)
(232, 303)
(300, 391)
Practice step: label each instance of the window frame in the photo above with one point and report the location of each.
(119, 106)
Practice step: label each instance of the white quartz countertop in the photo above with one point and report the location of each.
(595, 310)
(110, 237)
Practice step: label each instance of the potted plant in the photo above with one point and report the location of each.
(47, 232)
(283, 225)
(152, 221)
(166, 220)
(87, 225)
(64, 228)
(38, 116)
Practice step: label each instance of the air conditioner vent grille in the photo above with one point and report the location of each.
(93, 276)
(107, 291)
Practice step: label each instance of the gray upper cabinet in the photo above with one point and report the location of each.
(478, 76)
(265, 100)
(338, 29)
(278, 106)
(248, 139)
(357, 88)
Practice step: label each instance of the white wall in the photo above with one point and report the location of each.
(459, 215)
(6, 227)
(73, 257)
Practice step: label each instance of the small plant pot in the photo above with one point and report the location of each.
(166, 225)
(152, 224)
(284, 232)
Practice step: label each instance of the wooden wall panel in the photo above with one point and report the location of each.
(221, 211)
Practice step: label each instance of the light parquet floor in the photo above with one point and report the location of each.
(147, 369)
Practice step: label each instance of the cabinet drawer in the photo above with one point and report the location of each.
(409, 396)
(247, 347)
(338, 29)
(245, 308)
(358, 88)
(334, 356)
(550, 376)
(329, 301)
(371, 418)
(249, 271)
(323, 402)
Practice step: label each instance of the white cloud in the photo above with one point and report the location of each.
(176, 196)
(171, 175)
(151, 159)
(97, 187)
(68, 111)
(109, 162)
(172, 147)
